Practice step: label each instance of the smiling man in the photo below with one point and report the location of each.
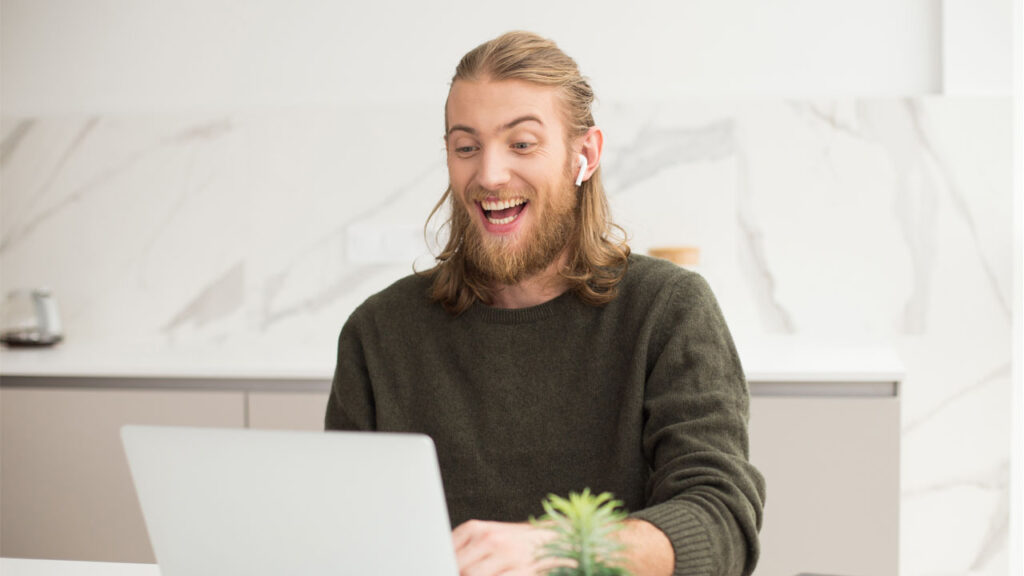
(542, 356)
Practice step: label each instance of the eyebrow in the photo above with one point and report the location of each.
(508, 126)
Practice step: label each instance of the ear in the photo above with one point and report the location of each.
(591, 145)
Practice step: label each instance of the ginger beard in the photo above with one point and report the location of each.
(508, 259)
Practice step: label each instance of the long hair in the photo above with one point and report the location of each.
(598, 252)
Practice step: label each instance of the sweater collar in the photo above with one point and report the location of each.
(552, 307)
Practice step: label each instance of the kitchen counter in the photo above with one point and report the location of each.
(33, 567)
(68, 361)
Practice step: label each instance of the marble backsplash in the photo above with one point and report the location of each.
(882, 220)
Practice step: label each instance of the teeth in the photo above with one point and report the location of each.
(502, 204)
(503, 220)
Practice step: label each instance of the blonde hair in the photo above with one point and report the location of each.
(597, 259)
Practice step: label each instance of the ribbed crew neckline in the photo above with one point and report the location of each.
(543, 311)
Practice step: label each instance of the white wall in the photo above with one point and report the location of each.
(124, 56)
(977, 47)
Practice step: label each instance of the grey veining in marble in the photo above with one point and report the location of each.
(757, 271)
(222, 297)
(994, 540)
(960, 202)
(1000, 375)
(46, 186)
(655, 149)
(11, 139)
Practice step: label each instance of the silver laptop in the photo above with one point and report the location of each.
(262, 503)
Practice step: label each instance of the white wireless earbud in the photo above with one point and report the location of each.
(583, 168)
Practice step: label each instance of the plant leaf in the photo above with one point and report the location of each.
(584, 525)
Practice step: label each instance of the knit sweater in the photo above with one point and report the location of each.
(643, 397)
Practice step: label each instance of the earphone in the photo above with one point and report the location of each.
(583, 168)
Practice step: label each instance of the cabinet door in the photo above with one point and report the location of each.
(832, 471)
(287, 410)
(66, 491)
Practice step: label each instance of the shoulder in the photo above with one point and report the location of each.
(413, 288)
(407, 297)
(651, 279)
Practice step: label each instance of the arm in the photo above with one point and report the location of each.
(351, 405)
(488, 548)
(704, 494)
(648, 552)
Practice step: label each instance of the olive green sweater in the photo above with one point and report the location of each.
(643, 397)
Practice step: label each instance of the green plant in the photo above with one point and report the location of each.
(583, 525)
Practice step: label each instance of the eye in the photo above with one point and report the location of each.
(465, 150)
(521, 146)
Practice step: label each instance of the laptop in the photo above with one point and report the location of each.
(273, 503)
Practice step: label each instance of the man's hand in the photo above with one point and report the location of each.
(491, 548)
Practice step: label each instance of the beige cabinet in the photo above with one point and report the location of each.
(65, 488)
(287, 410)
(832, 471)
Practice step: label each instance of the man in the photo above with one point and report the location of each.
(542, 357)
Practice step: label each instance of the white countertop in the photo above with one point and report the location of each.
(30, 567)
(765, 359)
(68, 361)
(792, 359)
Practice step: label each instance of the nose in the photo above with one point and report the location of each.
(494, 171)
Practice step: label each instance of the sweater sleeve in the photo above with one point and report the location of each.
(704, 494)
(351, 403)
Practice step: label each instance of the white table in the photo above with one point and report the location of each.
(28, 567)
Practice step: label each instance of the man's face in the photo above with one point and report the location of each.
(509, 170)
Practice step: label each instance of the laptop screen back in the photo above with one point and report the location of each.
(262, 503)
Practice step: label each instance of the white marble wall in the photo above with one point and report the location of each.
(257, 234)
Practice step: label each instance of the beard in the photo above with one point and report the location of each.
(510, 259)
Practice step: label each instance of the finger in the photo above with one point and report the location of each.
(472, 546)
(473, 558)
(466, 532)
(490, 565)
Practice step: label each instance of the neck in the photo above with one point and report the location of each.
(542, 287)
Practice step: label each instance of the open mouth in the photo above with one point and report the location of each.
(500, 212)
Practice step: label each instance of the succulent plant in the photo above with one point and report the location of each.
(584, 525)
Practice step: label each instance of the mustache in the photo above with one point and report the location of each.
(477, 193)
